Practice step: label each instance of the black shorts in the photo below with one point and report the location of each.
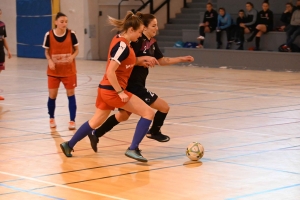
(147, 96)
(2, 60)
(212, 28)
(269, 28)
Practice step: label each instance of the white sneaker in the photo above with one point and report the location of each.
(200, 38)
(72, 125)
(52, 123)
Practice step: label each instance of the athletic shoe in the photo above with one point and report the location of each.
(200, 38)
(1, 98)
(66, 149)
(228, 46)
(72, 125)
(238, 42)
(240, 48)
(94, 140)
(159, 137)
(135, 154)
(52, 123)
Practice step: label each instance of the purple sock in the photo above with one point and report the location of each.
(140, 132)
(83, 131)
(51, 107)
(72, 107)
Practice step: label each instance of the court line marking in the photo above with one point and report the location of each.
(263, 192)
(28, 191)
(62, 186)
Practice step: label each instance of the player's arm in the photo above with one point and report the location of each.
(7, 48)
(50, 61)
(75, 53)
(146, 61)
(112, 77)
(170, 61)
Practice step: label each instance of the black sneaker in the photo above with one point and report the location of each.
(135, 154)
(159, 137)
(94, 140)
(66, 149)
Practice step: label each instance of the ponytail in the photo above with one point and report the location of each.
(130, 20)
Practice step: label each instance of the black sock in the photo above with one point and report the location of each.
(106, 126)
(158, 121)
(257, 42)
(253, 35)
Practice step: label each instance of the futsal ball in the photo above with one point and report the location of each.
(195, 151)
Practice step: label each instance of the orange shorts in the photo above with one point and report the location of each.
(69, 82)
(109, 99)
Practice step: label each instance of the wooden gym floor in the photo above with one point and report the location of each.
(247, 121)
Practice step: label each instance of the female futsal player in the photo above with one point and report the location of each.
(111, 91)
(3, 44)
(61, 48)
(146, 45)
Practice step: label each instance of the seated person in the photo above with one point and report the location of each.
(265, 23)
(209, 23)
(224, 24)
(286, 16)
(240, 29)
(294, 29)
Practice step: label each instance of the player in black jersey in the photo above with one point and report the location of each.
(145, 46)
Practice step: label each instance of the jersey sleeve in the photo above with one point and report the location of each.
(74, 39)
(119, 52)
(46, 43)
(157, 53)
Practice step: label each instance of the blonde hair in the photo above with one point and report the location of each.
(130, 20)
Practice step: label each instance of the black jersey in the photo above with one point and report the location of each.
(2, 35)
(211, 17)
(266, 18)
(143, 47)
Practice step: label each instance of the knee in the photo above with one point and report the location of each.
(149, 114)
(70, 93)
(165, 109)
(123, 116)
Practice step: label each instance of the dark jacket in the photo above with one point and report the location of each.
(211, 18)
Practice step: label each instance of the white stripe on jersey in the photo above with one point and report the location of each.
(45, 38)
(121, 49)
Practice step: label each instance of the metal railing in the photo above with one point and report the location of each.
(151, 5)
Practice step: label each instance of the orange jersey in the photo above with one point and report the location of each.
(121, 52)
(59, 53)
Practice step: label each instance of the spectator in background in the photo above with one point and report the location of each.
(209, 23)
(265, 23)
(286, 16)
(294, 30)
(224, 24)
(249, 26)
(3, 44)
(239, 30)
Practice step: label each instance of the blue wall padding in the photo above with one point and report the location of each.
(34, 7)
(33, 21)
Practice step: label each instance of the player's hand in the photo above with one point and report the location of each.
(70, 58)
(150, 61)
(201, 24)
(123, 96)
(9, 54)
(206, 23)
(187, 59)
(51, 64)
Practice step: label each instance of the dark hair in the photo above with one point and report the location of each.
(209, 4)
(60, 14)
(266, 1)
(147, 18)
(222, 9)
(251, 4)
(289, 3)
(130, 20)
(242, 11)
